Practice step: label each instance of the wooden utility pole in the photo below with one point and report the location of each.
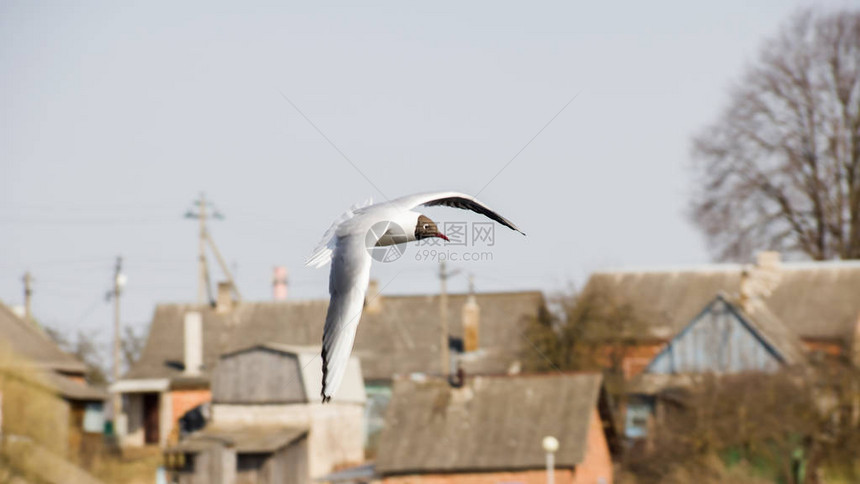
(28, 296)
(202, 275)
(203, 287)
(224, 268)
(118, 282)
(443, 317)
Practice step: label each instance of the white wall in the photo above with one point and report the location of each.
(132, 435)
(336, 431)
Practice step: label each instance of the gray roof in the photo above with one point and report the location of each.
(245, 439)
(75, 390)
(401, 338)
(491, 423)
(815, 300)
(31, 344)
(770, 328)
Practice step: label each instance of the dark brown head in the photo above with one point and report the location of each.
(426, 228)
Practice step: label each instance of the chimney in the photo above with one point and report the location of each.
(768, 261)
(193, 343)
(224, 303)
(759, 281)
(279, 283)
(373, 298)
(471, 319)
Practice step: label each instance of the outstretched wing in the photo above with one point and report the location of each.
(454, 200)
(322, 254)
(350, 272)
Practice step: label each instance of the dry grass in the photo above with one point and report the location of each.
(133, 466)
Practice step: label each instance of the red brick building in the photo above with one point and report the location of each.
(817, 301)
(489, 430)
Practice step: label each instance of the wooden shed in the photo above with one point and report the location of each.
(267, 421)
(275, 373)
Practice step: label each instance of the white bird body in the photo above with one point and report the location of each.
(346, 244)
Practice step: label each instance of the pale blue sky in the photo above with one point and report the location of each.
(114, 116)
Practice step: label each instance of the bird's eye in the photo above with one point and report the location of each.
(425, 226)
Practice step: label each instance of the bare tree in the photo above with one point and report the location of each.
(132, 344)
(87, 349)
(795, 426)
(780, 169)
(588, 330)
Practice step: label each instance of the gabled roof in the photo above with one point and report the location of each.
(75, 390)
(401, 338)
(816, 300)
(35, 347)
(244, 439)
(491, 423)
(310, 368)
(763, 342)
(773, 331)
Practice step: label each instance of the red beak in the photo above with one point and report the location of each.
(442, 236)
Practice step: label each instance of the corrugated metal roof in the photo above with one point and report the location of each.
(491, 423)
(812, 299)
(31, 344)
(402, 338)
(74, 390)
(245, 439)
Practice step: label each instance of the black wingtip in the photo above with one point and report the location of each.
(325, 398)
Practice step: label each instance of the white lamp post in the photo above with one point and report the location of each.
(550, 445)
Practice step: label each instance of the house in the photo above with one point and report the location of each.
(723, 339)
(489, 429)
(819, 302)
(398, 335)
(35, 375)
(267, 421)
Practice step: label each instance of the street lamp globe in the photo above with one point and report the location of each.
(550, 444)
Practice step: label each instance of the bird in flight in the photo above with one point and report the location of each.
(348, 244)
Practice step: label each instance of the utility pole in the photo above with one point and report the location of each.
(28, 296)
(202, 274)
(118, 283)
(204, 290)
(443, 316)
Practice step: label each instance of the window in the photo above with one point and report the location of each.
(94, 420)
(251, 462)
(636, 418)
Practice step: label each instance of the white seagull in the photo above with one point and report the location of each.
(347, 244)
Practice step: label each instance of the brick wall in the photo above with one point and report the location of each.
(634, 358)
(181, 402)
(829, 348)
(596, 466)
(562, 476)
